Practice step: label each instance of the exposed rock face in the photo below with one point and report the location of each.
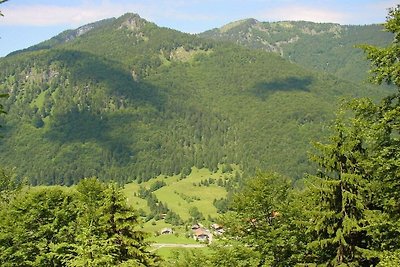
(72, 34)
(84, 29)
(133, 22)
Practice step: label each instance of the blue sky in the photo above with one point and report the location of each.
(26, 23)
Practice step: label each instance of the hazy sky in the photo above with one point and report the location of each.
(26, 23)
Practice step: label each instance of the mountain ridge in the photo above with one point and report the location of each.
(133, 102)
(326, 47)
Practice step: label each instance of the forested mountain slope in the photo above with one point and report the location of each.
(128, 100)
(320, 46)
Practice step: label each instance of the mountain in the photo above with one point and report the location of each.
(124, 99)
(66, 36)
(325, 47)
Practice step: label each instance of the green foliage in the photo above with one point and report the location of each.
(195, 214)
(340, 218)
(145, 101)
(355, 214)
(156, 185)
(384, 61)
(348, 213)
(8, 184)
(38, 228)
(231, 254)
(186, 258)
(390, 259)
(182, 194)
(157, 208)
(355, 220)
(320, 46)
(265, 217)
(173, 218)
(234, 254)
(57, 226)
(221, 205)
(161, 102)
(1, 105)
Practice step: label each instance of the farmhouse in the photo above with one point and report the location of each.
(218, 229)
(202, 235)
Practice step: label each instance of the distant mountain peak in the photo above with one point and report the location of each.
(240, 23)
(66, 36)
(103, 99)
(132, 21)
(70, 35)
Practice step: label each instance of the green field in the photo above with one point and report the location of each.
(178, 238)
(181, 194)
(170, 253)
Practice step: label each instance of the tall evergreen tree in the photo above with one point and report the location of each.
(341, 217)
(128, 243)
(382, 124)
(355, 221)
(107, 234)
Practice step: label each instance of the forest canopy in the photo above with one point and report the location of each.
(345, 215)
(344, 212)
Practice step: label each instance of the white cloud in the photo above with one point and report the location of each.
(368, 12)
(89, 11)
(49, 15)
(178, 14)
(293, 12)
(191, 13)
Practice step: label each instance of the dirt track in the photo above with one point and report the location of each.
(165, 245)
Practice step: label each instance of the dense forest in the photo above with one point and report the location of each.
(165, 102)
(87, 225)
(146, 100)
(345, 215)
(324, 47)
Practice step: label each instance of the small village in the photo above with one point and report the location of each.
(199, 232)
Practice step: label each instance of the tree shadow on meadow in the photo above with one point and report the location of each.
(265, 89)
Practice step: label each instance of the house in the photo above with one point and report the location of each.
(195, 226)
(166, 231)
(218, 229)
(202, 235)
(216, 226)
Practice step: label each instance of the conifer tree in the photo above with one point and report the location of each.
(382, 126)
(355, 220)
(107, 234)
(341, 217)
(128, 243)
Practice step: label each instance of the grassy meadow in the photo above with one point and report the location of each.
(181, 194)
